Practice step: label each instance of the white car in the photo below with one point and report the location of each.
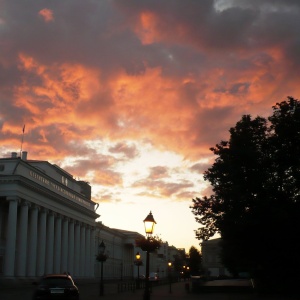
(153, 277)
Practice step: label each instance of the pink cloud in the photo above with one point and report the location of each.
(46, 14)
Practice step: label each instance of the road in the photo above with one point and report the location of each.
(161, 292)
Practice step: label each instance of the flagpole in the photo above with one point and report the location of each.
(22, 140)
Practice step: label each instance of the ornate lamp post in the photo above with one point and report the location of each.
(138, 262)
(149, 223)
(102, 258)
(170, 278)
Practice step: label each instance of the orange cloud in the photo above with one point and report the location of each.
(146, 29)
(107, 178)
(56, 91)
(174, 113)
(46, 14)
(152, 106)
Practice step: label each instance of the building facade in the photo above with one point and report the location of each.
(47, 220)
(120, 250)
(48, 225)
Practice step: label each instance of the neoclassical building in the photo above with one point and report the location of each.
(48, 225)
(47, 220)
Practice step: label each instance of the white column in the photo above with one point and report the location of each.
(77, 250)
(57, 244)
(88, 251)
(22, 240)
(50, 243)
(92, 251)
(11, 234)
(41, 242)
(82, 250)
(64, 246)
(32, 241)
(71, 248)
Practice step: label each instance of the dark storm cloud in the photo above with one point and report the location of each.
(98, 34)
(238, 26)
(198, 21)
(89, 32)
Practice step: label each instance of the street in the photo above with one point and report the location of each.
(161, 292)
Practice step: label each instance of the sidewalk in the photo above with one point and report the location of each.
(158, 293)
(162, 292)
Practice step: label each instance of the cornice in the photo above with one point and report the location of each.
(39, 189)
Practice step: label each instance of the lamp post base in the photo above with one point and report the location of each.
(101, 292)
(146, 294)
(147, 284)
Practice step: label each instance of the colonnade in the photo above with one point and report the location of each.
(40, 241)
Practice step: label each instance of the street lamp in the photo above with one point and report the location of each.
(184, 272)
(138, 256)
(149, 223)
(170, 278)
(138, 262)
(102, 258)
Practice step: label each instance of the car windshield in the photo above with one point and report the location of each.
(56, 281)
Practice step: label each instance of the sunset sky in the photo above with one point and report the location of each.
(129, 95)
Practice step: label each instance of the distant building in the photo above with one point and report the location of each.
(120, 249)
(211, 260)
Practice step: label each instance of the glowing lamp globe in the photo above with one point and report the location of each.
(149, 223)
(138, 256)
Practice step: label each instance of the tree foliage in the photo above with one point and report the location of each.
(179, 260)
(101, 257)
(195, 260)
(255, 205)
(149, 244)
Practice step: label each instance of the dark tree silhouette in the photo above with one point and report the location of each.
(255, 205)
(195, 261)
